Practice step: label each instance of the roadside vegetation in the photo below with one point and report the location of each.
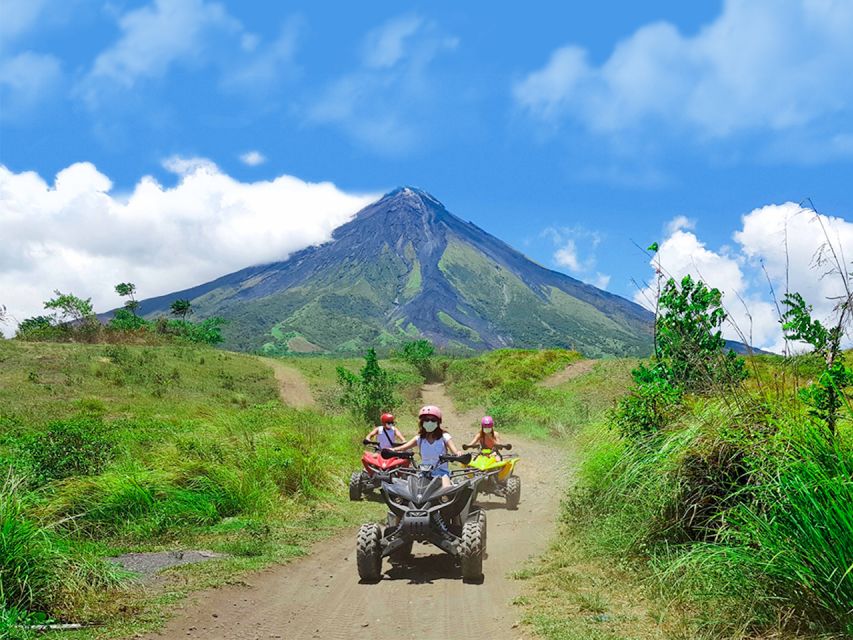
(722, 485)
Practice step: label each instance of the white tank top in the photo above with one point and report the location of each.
(431, 450)
(385, 438)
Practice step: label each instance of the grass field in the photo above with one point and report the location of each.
(116, 448)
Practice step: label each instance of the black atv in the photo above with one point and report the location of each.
(423, 510)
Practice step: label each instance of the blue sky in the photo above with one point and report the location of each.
(569, 130)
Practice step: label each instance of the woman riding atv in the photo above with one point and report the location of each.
(486, 437)
(387, 434)
(432, 441)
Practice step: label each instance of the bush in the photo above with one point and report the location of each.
(369, 393)
(78, 446)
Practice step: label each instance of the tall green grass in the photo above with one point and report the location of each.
(39, 570)
(750, 529)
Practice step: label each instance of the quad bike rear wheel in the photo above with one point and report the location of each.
(513, 492)
(355, 486)
(368, 552)
(471, 551)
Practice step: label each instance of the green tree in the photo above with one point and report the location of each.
(825, 396)
(128, 290)
(368, 393)
(690, 348)
(689, 356)
(34, 327)
(181, 308)
(418, 354)
(70, 307)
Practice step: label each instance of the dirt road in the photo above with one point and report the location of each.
(292, 386)
(574, 370)
(319, 596)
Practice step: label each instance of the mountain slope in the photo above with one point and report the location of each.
(406, 267)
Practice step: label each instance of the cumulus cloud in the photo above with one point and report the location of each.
(253, 158)
(784, 243)
(763, 66)
(383, 102)
(76, 234)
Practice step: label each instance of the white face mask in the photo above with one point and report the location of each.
(430, 425)
(487, 429)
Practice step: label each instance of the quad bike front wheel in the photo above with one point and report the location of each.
(513, 492)
(368, 552)
(355, 486)
(481, 518)
(471, 550)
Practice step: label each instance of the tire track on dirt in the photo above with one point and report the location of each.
(319, 596)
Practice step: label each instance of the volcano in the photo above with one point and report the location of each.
(403, 268)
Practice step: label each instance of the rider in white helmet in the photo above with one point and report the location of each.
(432, 441)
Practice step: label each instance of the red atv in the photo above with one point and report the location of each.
(376, 471)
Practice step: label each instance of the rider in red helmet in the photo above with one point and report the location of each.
(432, 441)
(387, 433)
(486, 437)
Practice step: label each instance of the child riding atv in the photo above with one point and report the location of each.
(486, 437)
(432, 442)
(387, 434)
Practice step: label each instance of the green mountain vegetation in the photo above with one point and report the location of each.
(407, 268)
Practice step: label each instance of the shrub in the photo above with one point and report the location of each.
(78, 446)
(370, 392)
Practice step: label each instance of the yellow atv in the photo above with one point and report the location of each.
(498, 471)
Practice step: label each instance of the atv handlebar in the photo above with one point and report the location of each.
(497, 447)
(387, 454)
(465, 458)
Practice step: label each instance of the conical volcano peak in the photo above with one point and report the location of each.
(411, 197)
(405, 267)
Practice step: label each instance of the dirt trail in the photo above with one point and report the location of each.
(574, 370)
(319, 596)
(292, 386)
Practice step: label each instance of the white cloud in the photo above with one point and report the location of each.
(679, 223)
(384, 102)
(760, 65)
(77, 235)
(771, 238)
(567, 256)
(253, 158)
(575, 251)
(157, 36)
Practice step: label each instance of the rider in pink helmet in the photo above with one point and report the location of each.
(486, 437)
(432, 441)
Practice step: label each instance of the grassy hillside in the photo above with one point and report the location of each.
(113, 448)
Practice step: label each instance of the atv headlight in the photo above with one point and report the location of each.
(397, 500)
(445, 499)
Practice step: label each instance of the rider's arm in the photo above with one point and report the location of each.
(398, 435)
(475, 441)
(497, 437)
(452, 447)
(407, 445)
(372, 434)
